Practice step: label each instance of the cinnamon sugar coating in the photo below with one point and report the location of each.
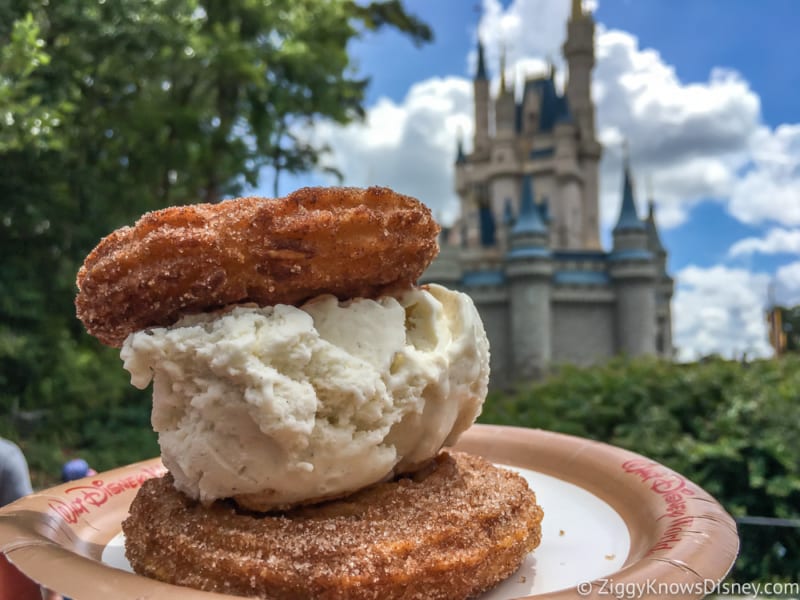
(450, 532)
(347, 242)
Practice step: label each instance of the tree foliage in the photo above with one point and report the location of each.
(24, 120)
(730, 427)
(112, 108)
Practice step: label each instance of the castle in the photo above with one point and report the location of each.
(527, 248)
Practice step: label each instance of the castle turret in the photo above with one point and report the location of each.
(529, 270)
(653, 238)
(633, 272)
(579, 53)
(569, 233)
(461, 164)
(480, 147)
(505, 107)
(664, 283)
(629, 230)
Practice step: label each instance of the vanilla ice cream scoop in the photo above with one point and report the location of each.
(281, 405)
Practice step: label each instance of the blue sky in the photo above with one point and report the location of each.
(705, 92)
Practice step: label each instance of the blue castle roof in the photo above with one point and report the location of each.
(530, 218)
(487, 224)
(480, 72)
(565, 114)
(653, 239)
(483, 278)
(554, 108)
(461, 158)
(628, 218)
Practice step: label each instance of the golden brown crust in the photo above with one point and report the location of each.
(347, 242)
(449, 533)
(265, 501)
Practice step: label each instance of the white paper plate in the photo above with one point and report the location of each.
(610, 516)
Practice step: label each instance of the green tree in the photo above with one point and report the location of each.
(24, 121)
(112, 108)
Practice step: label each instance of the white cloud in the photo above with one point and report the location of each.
(769, 190)
(410, 146)
(776, 241)
(719, 310)
(698, 141)
(787, 284)
(690, 139)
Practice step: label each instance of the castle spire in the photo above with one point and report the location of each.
(504, 106)
(577, 10)
(480, 85)
(628, 217)
(480, 72)
(503, 70)
(530, 218)
(653, 238)
(460, 156)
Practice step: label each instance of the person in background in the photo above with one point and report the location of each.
(15, 480)
(76, 468)
(15, 483)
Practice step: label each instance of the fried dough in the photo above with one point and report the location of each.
(348, 242)
(449, 532)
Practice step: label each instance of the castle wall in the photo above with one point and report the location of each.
(664, 320)
(530, 320)
(636, 317)
(495, 316)
(501, 188)
(583, 332)
(544, 186)
(571, 233)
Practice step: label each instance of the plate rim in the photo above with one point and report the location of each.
(687, 520)
(41, 530)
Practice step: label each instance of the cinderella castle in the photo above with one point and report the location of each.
(527, 247)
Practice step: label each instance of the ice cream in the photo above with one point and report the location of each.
(279, 405)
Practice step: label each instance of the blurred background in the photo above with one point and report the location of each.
(111, 108)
